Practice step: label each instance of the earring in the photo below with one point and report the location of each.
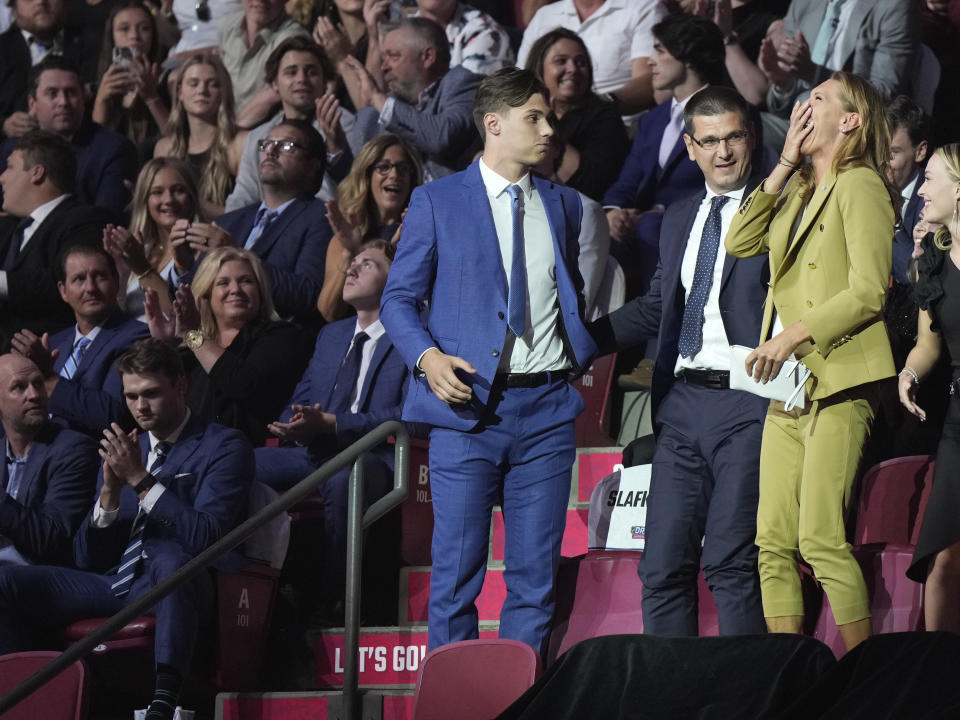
(956, 213)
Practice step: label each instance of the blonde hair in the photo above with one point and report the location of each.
(216, 182)
(865, 146)
(354, 194)
(207, 273)
(950, 157)
(141, 220)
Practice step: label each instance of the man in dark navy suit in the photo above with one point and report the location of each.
(168, 490)
(688, 54)
(704, 485)
(77, 363)
(50, 473)
(106, 160)
(288, 229)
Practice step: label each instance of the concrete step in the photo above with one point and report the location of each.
(415, 596)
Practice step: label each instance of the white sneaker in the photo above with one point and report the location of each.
(179, 713)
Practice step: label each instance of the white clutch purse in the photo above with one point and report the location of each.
(787, 386)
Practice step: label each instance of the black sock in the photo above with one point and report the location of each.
(169, 683)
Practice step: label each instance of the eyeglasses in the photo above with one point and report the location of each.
(203, 10)
(385, 166)
(288, 147)
(734, 139)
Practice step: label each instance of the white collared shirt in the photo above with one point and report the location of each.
(907, 192)
(838, 54)
(37, 51)
(104, 518)
(39, 214)
(374, 331)
(541, 347)
(714, 353)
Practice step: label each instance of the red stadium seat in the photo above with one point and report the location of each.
(64, 697)
(474, 679)
(893, 496)
(592, 428)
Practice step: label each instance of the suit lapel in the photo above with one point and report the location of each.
(39, 449)
(484, 231)
(184, 447)
(65, 346)
(821, 193)
(729, 261)
(340, 345)
(673, 257)
(275, 230)
(848, 43)
(379, 354)
(37, 240)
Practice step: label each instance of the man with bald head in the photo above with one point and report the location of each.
(49, 475)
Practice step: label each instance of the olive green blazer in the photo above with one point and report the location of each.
(833, 275)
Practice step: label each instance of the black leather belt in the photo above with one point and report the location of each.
(530, 380)
(713, 379)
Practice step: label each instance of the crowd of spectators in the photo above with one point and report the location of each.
(231, 178)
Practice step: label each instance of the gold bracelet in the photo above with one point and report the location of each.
(141, 276)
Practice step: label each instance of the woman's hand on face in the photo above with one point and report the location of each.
(907, 387)
(801, 125)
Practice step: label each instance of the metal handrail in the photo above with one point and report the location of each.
(356, 523)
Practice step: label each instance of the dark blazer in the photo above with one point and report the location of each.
(293, 249)
(466, 288)
(903, 238)
(248, 385)
(15, 67)
(659, 313)
(33, 300)
(381, 397)
(440, 126)
(597, 131)
(207, 476)
(56, 492)
(96, 387)
(106, 162)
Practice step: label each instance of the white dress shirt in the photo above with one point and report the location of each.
(541, 347)
(374, 331)
(39, 214)
(838, 53)
(714, 353)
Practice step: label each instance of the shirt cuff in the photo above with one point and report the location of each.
(103, 518)
(417, 367)
(150, 499)
(386, 115)
(3, 285)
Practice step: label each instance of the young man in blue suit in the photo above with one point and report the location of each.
(352, 385)
(493, 251)
(688, 54)
(705, 481)
(911, 143)
(167, 491)
(77, 363)
(288, 229)
(49, 476)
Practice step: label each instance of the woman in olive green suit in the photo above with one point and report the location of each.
(829, 235)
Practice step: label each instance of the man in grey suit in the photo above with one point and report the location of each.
(876, 39)
(428, 103)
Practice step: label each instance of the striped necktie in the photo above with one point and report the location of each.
(69, 368)
(130, 561)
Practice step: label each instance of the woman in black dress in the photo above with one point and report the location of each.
(936, 560)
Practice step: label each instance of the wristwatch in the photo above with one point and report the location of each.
(194, 339)
(145, 484)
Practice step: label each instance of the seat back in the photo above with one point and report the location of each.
(474, 679)
(612, 292)
(62, 698)
(416, 513)
(591, 428)
(926, 78)
(893, 495)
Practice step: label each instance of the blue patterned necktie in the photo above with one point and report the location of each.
(130, 561)
(517, 295)
(691, 333)
(347, 376)
(69, 368)
(825, 40)
(264, 217)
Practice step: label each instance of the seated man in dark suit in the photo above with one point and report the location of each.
(687, 55)
(50, 473)
(288, 230)
(37, 29)
(429, 104)
(77, 363)
(44, 221)
(355, 381)
(165, 495)
(106, 160)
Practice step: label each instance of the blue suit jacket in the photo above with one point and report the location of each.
(106, 162)
(207, 477)
(293, 249)
(96, 389)
(903, 238)
(441, 126)
(659, 313)
(56, 492)
(449, 254)
(381, 397)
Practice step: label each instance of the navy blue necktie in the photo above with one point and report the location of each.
(691, 333)
(517, 295)
(347, 376)
(130, 560)
(16, 240)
